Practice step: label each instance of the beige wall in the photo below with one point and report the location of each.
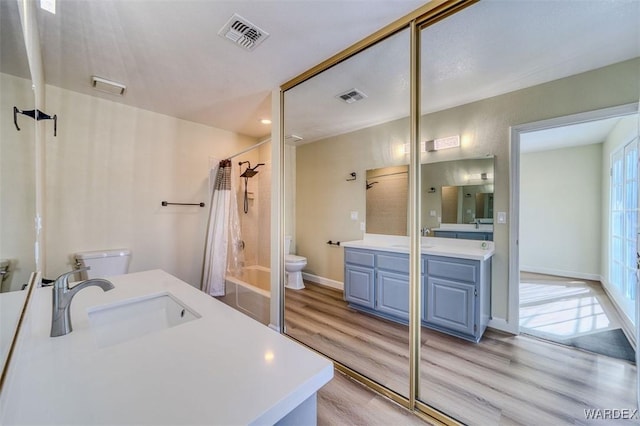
(107, 172)
(17, 181)
(324, 198)
(560, 215)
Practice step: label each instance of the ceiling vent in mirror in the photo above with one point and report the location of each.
(108, 86)
(351, 96)
(243, 33)
(292, 138)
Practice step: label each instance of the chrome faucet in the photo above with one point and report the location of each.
(425, 231)
(62, 296)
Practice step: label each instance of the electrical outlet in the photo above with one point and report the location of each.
(363, 226)
(354, 215)
(432, 213)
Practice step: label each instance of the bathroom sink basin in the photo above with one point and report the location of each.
(133, 318)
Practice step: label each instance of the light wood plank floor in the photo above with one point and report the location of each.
(559, 308)
(502, 380)
(344, 401)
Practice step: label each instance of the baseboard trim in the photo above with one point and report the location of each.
(502, 324)
(627, 326)
(560, 273)
(323, 281)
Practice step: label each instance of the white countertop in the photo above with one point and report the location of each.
(464, 227)
(223, 368)
(450, 247)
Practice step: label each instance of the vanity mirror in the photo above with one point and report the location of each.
(453, 192)
(17, 177)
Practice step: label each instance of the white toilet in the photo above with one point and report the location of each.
(293, 266)
(4, 273)
(103, 263)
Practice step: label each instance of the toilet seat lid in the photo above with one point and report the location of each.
(294, 258)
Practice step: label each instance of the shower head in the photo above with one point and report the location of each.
(249, 171)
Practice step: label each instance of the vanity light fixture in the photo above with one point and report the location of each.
(265, 121)
(423, 148)
(443, 143)
(107, 86)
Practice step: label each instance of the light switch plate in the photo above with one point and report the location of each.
(354, 215)
(432, 213)
(502, 217)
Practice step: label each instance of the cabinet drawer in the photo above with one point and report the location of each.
(457, 270)
(358, 257)
(396, 263)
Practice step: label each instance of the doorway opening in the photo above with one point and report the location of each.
(571, 272)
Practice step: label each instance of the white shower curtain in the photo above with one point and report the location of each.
(222, 251)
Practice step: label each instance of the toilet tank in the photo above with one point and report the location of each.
(103, 263)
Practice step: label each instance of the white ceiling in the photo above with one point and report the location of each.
(568, 136)
(173, 62)
(488, 49)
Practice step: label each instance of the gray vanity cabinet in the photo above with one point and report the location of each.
(457, 300)
(482, 236)
(456, 294)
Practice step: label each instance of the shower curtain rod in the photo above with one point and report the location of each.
(250, 148)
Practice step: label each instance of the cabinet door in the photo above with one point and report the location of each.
(358, 285)
(393, 294)
(450, 305)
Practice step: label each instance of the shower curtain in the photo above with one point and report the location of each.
(222, 250)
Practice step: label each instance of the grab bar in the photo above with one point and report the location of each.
(166, 203)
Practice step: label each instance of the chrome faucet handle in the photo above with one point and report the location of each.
(63, 280)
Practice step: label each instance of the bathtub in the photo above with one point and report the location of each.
(250, 292)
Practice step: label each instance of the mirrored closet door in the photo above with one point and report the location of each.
(346, 197)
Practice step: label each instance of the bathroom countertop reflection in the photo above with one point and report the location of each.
(449, 247)
(217, 367)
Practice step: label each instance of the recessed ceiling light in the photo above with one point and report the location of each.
(48, 5)
(265, 121)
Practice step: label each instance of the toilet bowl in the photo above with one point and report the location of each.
(293, 265)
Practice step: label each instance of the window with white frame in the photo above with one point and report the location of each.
(624, 219)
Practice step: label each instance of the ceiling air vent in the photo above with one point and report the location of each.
(351, 96)
(243, 33)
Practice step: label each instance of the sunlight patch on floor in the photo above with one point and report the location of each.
(563, 310)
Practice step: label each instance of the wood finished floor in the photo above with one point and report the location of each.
(502, 380)
(560, 308)
(344, 401)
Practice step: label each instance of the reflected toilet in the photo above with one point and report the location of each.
(293, 266)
